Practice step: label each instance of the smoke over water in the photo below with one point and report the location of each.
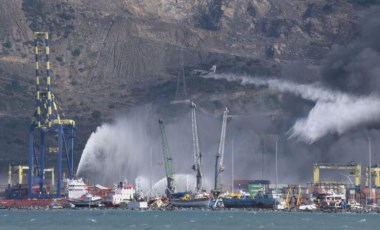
(334, 111)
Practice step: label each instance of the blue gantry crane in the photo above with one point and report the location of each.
(47, 128)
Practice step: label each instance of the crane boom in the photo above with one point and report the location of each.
(219, 168)
(170, 189)
(197, 153)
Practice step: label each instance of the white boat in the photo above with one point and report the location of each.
(75, 188)
(330, 200)
(307, 207)
(87, 200)
(121, 193)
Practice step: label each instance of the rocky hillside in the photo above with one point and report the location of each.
(110, 56)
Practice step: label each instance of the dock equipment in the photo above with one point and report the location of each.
(375, 170)
(197, 152)
(170, 188)
(291, 189)
(219, 168)
(48, 124)
(355, 168)
(19, 171)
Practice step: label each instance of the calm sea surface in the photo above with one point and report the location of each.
(182, 220)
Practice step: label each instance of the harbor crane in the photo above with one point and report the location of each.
(49, 126)
(353, 167)
(219, 168)
(197, 152)
(170, 188)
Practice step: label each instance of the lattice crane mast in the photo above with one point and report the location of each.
(170, 189)
(47, 121)
(219, 168)
(197, 152)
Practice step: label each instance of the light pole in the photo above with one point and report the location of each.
(369, 170)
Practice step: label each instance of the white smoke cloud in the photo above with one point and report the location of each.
(334, 111)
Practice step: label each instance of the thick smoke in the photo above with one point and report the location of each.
(354, 67)
(334, 112)
(336, 115)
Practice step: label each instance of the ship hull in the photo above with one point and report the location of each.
(238, 203)
(191, 203)
(84, 203)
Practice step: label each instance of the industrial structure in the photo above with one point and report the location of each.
(170, 189)
(47, 128)
(375, 170)
(354, 169)
(293, 190)
(197, 152)
(18, 172)
(219, 168)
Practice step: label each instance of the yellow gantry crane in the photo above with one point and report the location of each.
(19, 170)
(356, 168)
(375, 176)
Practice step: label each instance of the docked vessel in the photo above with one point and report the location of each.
(269, 200)
(121, 193)
(330, 200)
(238, 201)
(87, 200)
(75, 188)
(191, 201)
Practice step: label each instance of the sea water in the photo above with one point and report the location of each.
(182, 220)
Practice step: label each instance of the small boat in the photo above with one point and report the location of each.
(191, 201)
(238, 201)
(307, 207)
(87, 200)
